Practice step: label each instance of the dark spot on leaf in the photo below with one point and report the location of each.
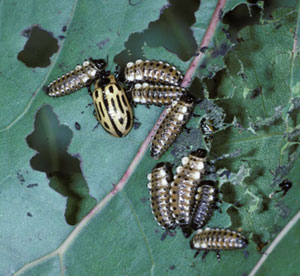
(136, 125)
(64, 28)
(260, 244)
(62, 169)
(20, 177)
(256, 92)
(227, 34)
(40, 46)
(32, 185)
(144, 200)
(102, 43)
(246, 254)
(77, 126)
(203, 49)
(26, 32)
(220, 15)
(278, 26)
(61, 37)
(172, 267)
(29, 214)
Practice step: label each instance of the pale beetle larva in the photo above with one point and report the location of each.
(157, 94)
(217, 239)
(112, 107)
(152, 71)
(178, 114)
(183, 188)
(205, 204)
(83, 75)
(159, 186)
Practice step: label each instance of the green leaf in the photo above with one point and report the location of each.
(119, 235)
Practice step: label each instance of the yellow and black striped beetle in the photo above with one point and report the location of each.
(112, 107)
(83, 75)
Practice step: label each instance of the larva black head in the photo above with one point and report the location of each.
(285, 184)
(186, 231)
(244, 242)
(99, 63)
(187, 98)
(162, 164)
(192, 244)
(200, 153)
(208, 182)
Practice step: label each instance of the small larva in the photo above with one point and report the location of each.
(184, 185)
(159, 186)
(217, 239)
(157, 94)
(284, 186)
(82, 75)
(207, 129)
(112, 107)
(205, 204)
(152, 71)
(178, 114)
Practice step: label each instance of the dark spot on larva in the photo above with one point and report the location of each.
(29, 214)
(64, 28)
(32, 185)
(121, 120)
(77, 126)
(96, 93)
(106, 125)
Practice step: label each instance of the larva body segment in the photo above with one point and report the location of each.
(112, 107)
(159, 186)
(184, 185)
(178, 114)
(217, 239)
(152, 71)
(83, 75)
(157, 94)
(205, 204)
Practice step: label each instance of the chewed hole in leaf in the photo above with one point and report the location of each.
(236, 220)
(39, 47)
(51, 141)
(172, 31)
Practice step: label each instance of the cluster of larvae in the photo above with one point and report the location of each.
(146, 82)
(185, 201)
